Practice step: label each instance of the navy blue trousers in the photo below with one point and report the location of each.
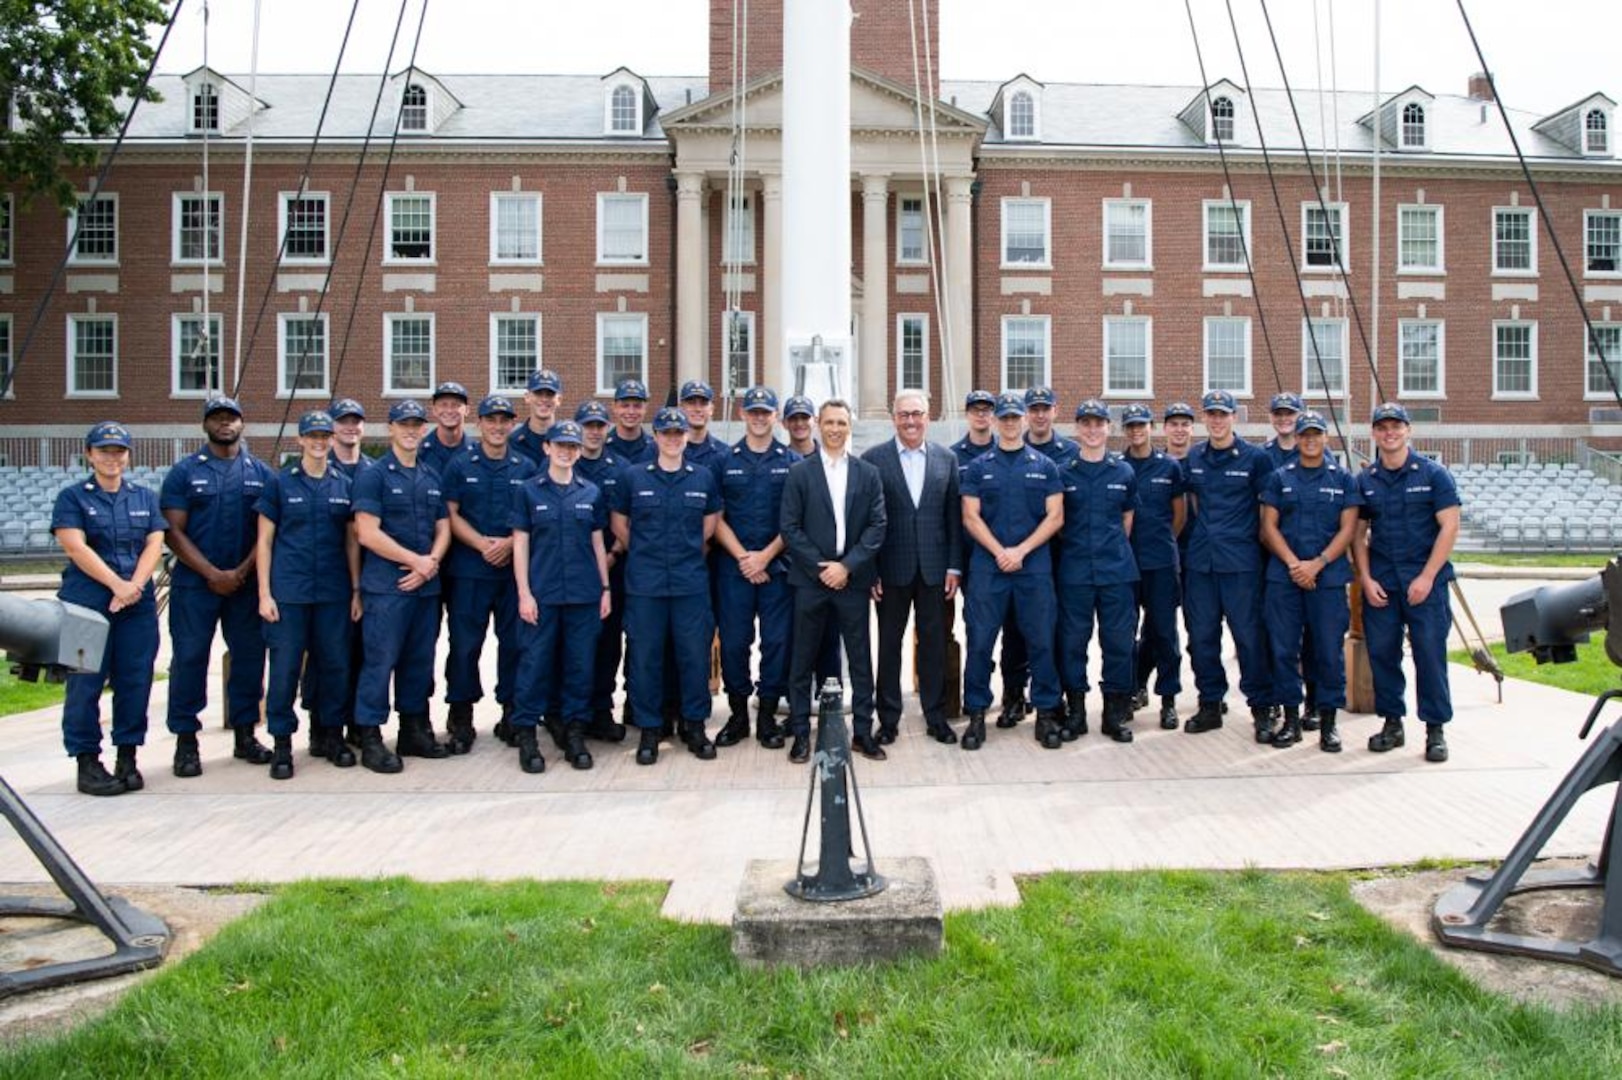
(739, 606)
(554, 669)
(1209, 599)
(610, 643)
(1306, 632)
(193, 616)
(1114, 608)
(313, 635)
(1027, 599)
(1160, 652)
(687, 624)
(126, 663)
(473, 604)
(400, 631)
(1428, 625)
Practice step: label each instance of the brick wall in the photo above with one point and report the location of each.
(881, 39)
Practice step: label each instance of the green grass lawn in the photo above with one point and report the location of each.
(18, 696)
(1592, 672)
(1541, 558)
(1109, 975)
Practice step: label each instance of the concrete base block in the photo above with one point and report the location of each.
(771, 928)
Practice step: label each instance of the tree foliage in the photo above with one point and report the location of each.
(68, 71)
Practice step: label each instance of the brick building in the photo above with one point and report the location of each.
(1085, 236)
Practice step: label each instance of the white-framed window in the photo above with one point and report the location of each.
(1595, 384)
(7, 389)
(408, 354)
(195, 342)
(1128, 243)
(624, 111)
(1323, 236)
(1602, 242)
(1026, 231)
(622, 230)
(198, 230)
(1414, 135)
(303, 227)
(411, 228)
(205, 107)
(1596, 133)
(1027, 349)
(911, 247)
(738, 343)
(1128, 357)
(5, 228)
(1323, 373)
(1227, 354)
(515, 351)
(414, 108)
(1421, 358)
(515, 228)
(96, 222)
(1227, 234)
(93, 356)
(1514, 359)
(622, 350)
(1021, 115)
(912, 352)
(1222, 117)
(1419, 239)
(738, 237)
(301, 355)
(1514, 241)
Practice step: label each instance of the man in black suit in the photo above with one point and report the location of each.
(920, 563)
(833, 523)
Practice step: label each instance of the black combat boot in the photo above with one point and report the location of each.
(1140, 700)
(504, 727)
(1075, 715)
(281, 758)
(1048, 728)
(124, 768)
(647, 750)
(94, 779)
(1389, 737)
(736, 729)
(1208, 718)
(459, 733)
(248, 748)
(1168, 711)
(767, 730)
(188, 760)
(1328, 737)
(603, 727)
(974, 736)
(1261, 718)
(575, 752)
(1435, 742)
(328, 742)
(529, 754)
(698, 743)
(1013, 711)
(374, 753)
(1289, 732)
(553, 723)
(416, 738)
(1117, 713)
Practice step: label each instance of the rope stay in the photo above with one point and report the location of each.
(934, 213)
(247, 190)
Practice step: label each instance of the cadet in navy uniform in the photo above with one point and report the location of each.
(400, 520)
(1097, 574)
(1155, 528)
(628, 441)
(542, 397)
(1179, 428)
(665, 512)
(978, 407)
(1222, 579)
(1309, 517)
(698, 405)
(348, 429)
(558, 521)
(1283, 411)
(208, 500)
(1012, 505)
(309, 592)
(977, 413)
(449, 436)
(751, 580)
(602, 468)
(478, 487)
(112, 533)
(1040, 406)
(1410, 521)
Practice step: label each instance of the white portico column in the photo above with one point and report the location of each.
(872, 382)
(690, 277)
(960, 287)
(771, 348)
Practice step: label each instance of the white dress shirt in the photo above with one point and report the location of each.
(913, 468)
(837, 470)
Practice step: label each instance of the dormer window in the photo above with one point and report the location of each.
(205, 107)
(414, 109)
(1021, 115)
(1596, 135)
(1413, 126)
(1222, 113)
(624, 116)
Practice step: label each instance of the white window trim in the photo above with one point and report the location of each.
(1111, 321)
(1582, 132)
(282, 199)
(1148, 262)
(8, 256)
(1440, 269)
(194, 91)
(74, 258)
(497, 197)
(900, 341)
(1617, 273)
(1045, 378)
(1047, 233)
(1211, 137)
(175, 258)
(1036, 115)
(1309, 362)
(608, 110)
(608, 391)
(322, 391)
(10, 363)
(1532, 235)
(1343, 241)
(1527, 395)
(389, 319)
(1603, 394)
(496, 386)
(1440, 393)
(754, 350)
(1208, 267)
(218, 323)
(923, 213)
(1205, 352)
(427, 109)
(748, 201)
(70, 366)
(1424, 142)
(647, 244)
(389, 258)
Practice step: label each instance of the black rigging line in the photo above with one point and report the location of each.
(1543, 213)
(9, 376)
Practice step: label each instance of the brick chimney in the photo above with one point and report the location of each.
(1481, 87)
(881, 40)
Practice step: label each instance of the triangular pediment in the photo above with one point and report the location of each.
(876, 104)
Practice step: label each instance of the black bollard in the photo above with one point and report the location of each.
(835, 877)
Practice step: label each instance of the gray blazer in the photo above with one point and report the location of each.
(927, 540)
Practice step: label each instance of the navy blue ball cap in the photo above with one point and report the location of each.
(451, 389)
(545, 379)
(346, 406)
(669, 419)
(631, 390)
(410, 409)
(591, 411)
(1389, 410)
(496, 405)
(760, 399)
(980, 397)
(1094, 408)
(315, 423)
(564, 432)
(1219, 401)
(696, 388)
(1010, 405)
(107, 433)
(1179, 408)
(1137, 414)
(798, 405)
(1285, 402)
(1311, 421)
(1040, 395)
(221, 403)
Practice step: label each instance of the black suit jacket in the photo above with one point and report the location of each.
(926, 540)
(808, 522)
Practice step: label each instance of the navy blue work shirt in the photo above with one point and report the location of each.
(1093, 545)
(309, 563)
(631, 451)
(437, 456)
(667, 511)
(360, 465)
(1013, 488)
(1059, 450)
(561, 520)
(116, 525)
(1309, 504)
(1279, 456)
(528, 444)
(1160, 483)
(705, 453)
(1227, 486)
(482, 488)
(220, 496)
(967, 451)
(752, 491)
(1401, 506)
(408, 503)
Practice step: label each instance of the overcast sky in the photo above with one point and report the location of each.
(1544, 55)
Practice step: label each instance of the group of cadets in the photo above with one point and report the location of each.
(585, 540)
